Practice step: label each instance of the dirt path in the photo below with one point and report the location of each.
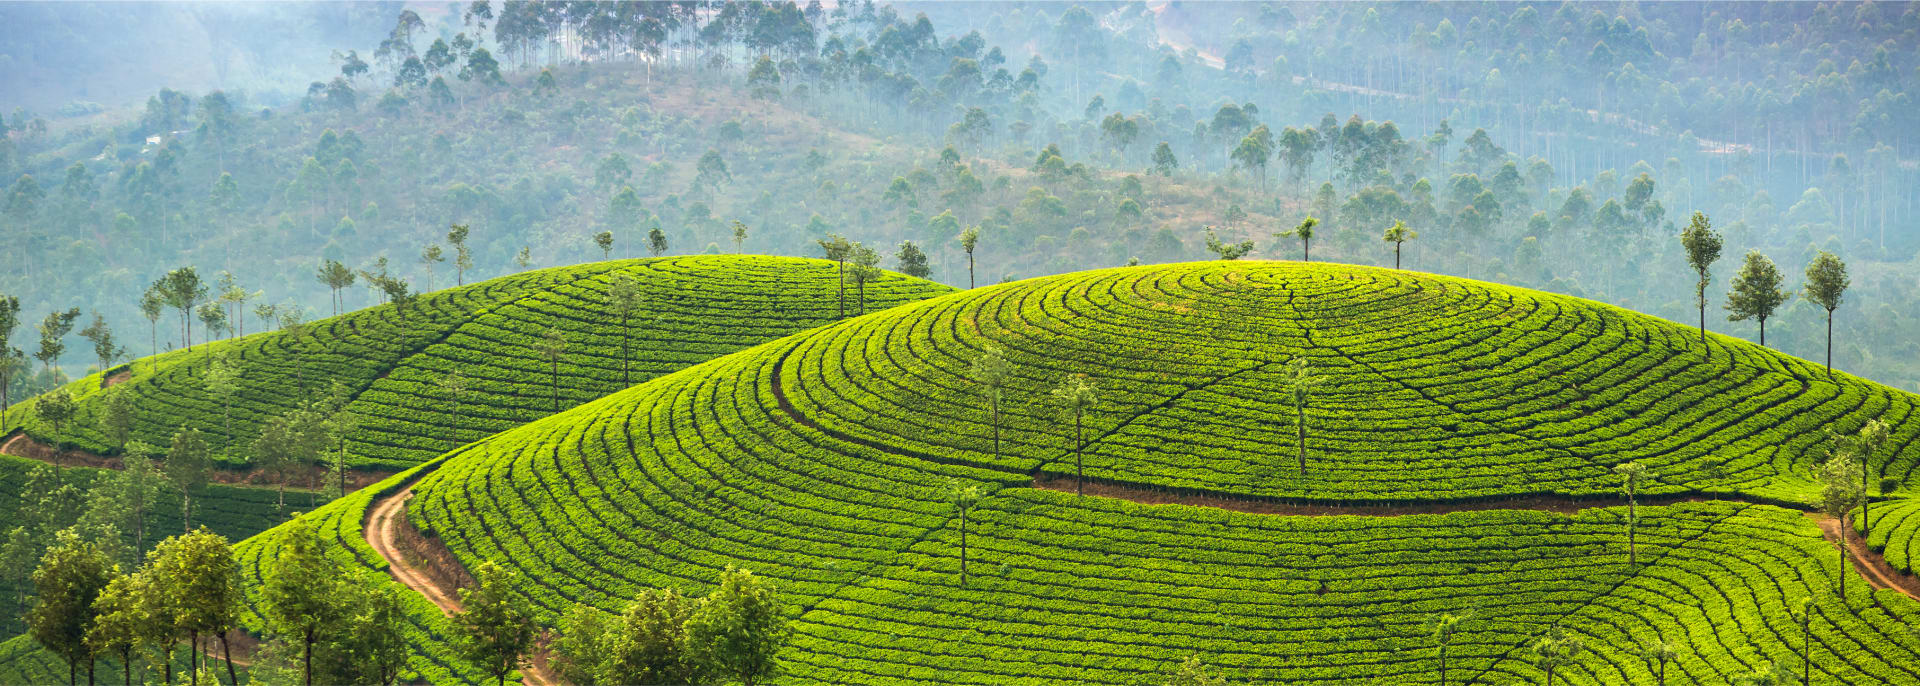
(1870, 565)
(383, 530)
(19, 444)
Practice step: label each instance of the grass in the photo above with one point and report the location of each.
(391, 361)
(821, 461)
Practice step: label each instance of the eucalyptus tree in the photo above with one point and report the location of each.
(335, 276)
(56, 407)
(1756, 292)
(1304, 232)
(223, 381)
(53, 336)
(1074, 396)
(152, 305)
(1300, 382)
(1164, 163)
(992, 371)
(431, 254)
(213, 319)
(1826, 286)
(656, 241)
(104, 348)
(462, 255)
(1658, 653)
(188, 466)
(117, 417)
(866, 268)
(199, 570)
(1445, 627)
(301, 593)
(1632, 475)
(1227, 251)
(182, 289)
(1703, 246)
(455, 385)
(604, 241)
(838, 249)
(1862, 446)
(1840, 493)
(623, 294)
(551, 345)
(970, 239)
(739, 236)
(1556, 649)
(913, 262)
(963, 497)
(1398, 235)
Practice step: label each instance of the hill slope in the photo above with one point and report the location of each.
(820, 461)
(392, 361)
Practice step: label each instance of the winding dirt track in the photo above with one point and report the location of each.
(382, 527)
(1869, 564)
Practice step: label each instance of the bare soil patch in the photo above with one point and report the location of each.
(1870, 565)
(117, 378)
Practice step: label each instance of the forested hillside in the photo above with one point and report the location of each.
(1071, 136)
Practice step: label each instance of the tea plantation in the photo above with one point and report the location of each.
(392, 360)
(825, 461)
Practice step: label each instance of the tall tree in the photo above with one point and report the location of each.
(623, 294)
(187, 468)
(69, 579)
(992, 371)
(1399, 234)
(963, 497)
(1632, 475)
(1840, 493)
(56, 407)
(152, 305)
(838, 249)
(913, 262)
(1756, 292)
(495, 624)
(1075, 395)
(551, 345)
(738, 629)
(866, 269)
(430, 255)
(1300, 382)
(1703, 249)
(739, 235)
(223, 383)
(1803, 616)
(1304, 232)
(1227, 251)
(1556, 649)
(1826, 286)
(182, 289)
(9, 320)
(200, 570)
(1164, 163)
(462, 255)
(335, 276)
(1445, 627)
(656, 241)
(1658, 653)
(118, 622)
(1863, 445)
(604, 241)
(970, 239)
(302, 590)
(104, 348)
(53, 334)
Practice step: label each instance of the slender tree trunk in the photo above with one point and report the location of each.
(1702, 300)
(1843, 557)
(306, 658)
(969, 270)
(153, 333)
(126, 664)
(1443, 664)
(1829, 344)
(1079, 457)
(996, 428)
(1396, 265)
(169, 669)
(193, 658)
(186, 512)
(1302, 425)
(1763, 332)
(839, 271)
(226, 653)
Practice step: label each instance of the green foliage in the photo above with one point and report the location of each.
(69, 579)
(495, 623)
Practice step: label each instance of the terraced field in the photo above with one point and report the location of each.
(822, 461)
(1893, 530)
(392, 360)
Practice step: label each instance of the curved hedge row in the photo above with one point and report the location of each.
(392, 360)
(821, 461)
(1894, 531)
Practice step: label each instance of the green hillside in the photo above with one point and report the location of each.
(821, 461)
(392, 360)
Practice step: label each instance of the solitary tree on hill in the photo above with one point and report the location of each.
(1826, 285)
(656, 241)
(913, 262)
(838, 249)
(53, 336)
(1399, 234)
(1840, 493)
(1556, 649)
(1075, 395)
(462, 255)
(182, 289)
(1303, 231)
(739, 236)
(604, 241)
(1703, 249)
(223, 381)
(551, 346)
(496, 628)
(431, 255)
(1301, 382)
(1658, 653)
(187, 467)
(455, 385)
(152, 305)
(1227, 251)
(1756, 292)
(963, 497)
(336, 276)
(992, 371)
(623, 294)
(1632, 473)
(970, 239)
(866, 268)
(1445, 627)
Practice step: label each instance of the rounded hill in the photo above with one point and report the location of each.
(826, 461)
(393, 363)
